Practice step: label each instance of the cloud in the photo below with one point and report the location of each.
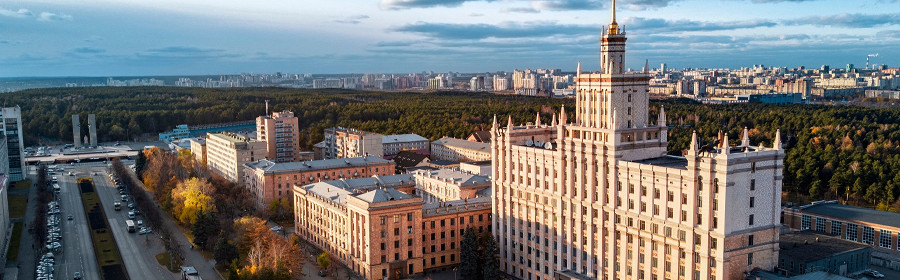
(410, 4)
(20, 13)
(47, 16)
(93, 39)
(185, 52)
(357, 19)
(88, 50)
(476, 15)
(649, 25)
(889, 34)
(640, 5)
(526, 10)
(567, 5)
(574, 5)
(779, 1)
(502, 30)
(848, 20)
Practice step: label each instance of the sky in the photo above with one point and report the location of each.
(200, 37)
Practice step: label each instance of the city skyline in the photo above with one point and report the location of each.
(106, 38)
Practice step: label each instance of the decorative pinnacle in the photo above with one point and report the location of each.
(777, 144)
(745, 140)
(693, 146)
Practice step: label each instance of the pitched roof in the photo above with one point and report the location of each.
(382, 195)
(483, 136)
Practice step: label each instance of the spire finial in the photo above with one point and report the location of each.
(613, 26)
(537, 120)
(509, 123)
(613, 11)
(553, 123)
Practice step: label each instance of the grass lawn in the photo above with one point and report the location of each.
(22, 184)
(17, 206)
(13, 252)
(163, 259)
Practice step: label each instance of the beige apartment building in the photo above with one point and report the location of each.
(599, 198)
(198, 149)
(269, 180)
(347, 142)
(226, 153)
(454, 149)
(382, 229)
(281, 133)
(343, 142)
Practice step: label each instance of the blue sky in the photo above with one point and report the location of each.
(181, 37)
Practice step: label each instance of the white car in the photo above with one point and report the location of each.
(145, 230)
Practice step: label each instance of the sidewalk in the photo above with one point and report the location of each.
(27, 249)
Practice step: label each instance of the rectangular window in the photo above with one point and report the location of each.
(884, 239)
(835, 228)
(751, 219)
(868, 235)
(752, 184)
(804, 222)
(820, 225)
(750, 240)
(750, 259)
(852, 231)
(752, 200)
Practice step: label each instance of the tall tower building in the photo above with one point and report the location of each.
(281, 132)
(599, 198)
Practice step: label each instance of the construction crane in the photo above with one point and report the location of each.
(867, 59)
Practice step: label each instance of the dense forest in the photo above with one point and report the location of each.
(833, 152)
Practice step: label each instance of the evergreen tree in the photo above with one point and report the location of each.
(206, 227)
(225, 252)
(139, 164)
(491, 263)
(468, 256)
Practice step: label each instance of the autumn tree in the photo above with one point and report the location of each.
(190, 199)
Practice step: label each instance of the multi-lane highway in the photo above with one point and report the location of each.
(138, 251)
(78, 252)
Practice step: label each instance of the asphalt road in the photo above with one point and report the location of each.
(78, 251)
(138, 251)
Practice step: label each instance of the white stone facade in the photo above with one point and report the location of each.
(600, 199)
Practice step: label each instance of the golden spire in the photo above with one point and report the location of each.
(613, 26)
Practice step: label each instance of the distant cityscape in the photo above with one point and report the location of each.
(758, 83)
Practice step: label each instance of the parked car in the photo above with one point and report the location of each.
(70, 217)
(77, 275)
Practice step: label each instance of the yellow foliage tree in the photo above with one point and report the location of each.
(190, 198)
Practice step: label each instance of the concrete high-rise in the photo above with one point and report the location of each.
(92, 130)
(599, 198)
(11, 127)
(281, 133)
(76, 130)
